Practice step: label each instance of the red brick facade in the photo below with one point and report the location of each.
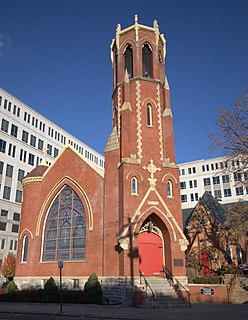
(139, 191)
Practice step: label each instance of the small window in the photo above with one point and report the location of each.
(14, 130)
(4, 213)
(134, 185)
(18, 197)
(5, 125)
(31, 159)
(15, 228)
(2, 146)
(182, 185)
(33, 141)
(21, 174)
(24, 249)
(129, 61)
(1, 167)
(147, 61)
(3, 226)
(40, 144)
(183, 198)
(16, 216)
(25, 136)
(169, 189)
(9, 171)
(149, 115)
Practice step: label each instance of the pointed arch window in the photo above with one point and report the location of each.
(147, 61)
(134, 185)
(129, 61)
(24, 249)
(169, 189)
(149, 115)
(65, 229)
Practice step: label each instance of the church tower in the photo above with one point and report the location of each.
(142, 208)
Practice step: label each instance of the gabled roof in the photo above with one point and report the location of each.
(213, 206)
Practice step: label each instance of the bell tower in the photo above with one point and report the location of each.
(141, 176)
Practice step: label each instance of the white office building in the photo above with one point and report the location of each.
(196, 177)
(23, 135)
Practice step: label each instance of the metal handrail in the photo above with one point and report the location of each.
(147, 285)
(178, 284)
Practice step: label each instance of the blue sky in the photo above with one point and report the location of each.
(54, 56)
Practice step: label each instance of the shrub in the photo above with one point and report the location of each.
(27, 295)
(93, 290)
(206, 280)
(73, 296)
(50, 292)
(11, 291)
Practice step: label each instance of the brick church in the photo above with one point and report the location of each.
(128, 219)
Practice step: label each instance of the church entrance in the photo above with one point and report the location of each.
(151, 251)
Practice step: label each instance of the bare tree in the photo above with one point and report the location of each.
(232, 135)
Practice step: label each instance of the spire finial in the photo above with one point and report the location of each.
(136, 18)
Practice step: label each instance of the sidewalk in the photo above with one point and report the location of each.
(198, 311)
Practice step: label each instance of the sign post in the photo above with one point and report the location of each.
(60, 266)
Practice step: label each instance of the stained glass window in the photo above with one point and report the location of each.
(169, 189)
(134, 185)
(25, 248)
(65, 230)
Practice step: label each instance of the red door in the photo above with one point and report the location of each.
(150, 254)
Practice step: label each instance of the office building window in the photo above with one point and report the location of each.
(18, 197)
(216, 180)
(2, 244)
(183, 198)
(4, 213)
(55, 152)
(14, 130)
(3, 226)
(31, 159)
(206, 182)
(217, 194)
(5, 125)
(182, 185)
(2, 146)
(11, 244)
(239, 191)
(6, 192)
(1, 167)
(227, 192)
(40, 144)
(237, 176)
(21, 174)
(49, 149)
(225, 178)
(192, 197)
(25, 136)
(33, 141)
(15, 228)
(9, 171)
(196, 197)
(16, 216)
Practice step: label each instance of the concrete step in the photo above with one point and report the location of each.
(165, 295)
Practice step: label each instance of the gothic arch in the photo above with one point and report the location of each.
(53, 193)
(134, 172)
(169, 176)
(25, 231)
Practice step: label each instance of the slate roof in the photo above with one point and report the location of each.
(37, 172)
(214, 207)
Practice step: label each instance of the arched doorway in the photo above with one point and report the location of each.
(151, 250)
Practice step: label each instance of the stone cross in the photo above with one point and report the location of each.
(151, 168)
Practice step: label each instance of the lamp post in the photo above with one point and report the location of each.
(60, 266)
